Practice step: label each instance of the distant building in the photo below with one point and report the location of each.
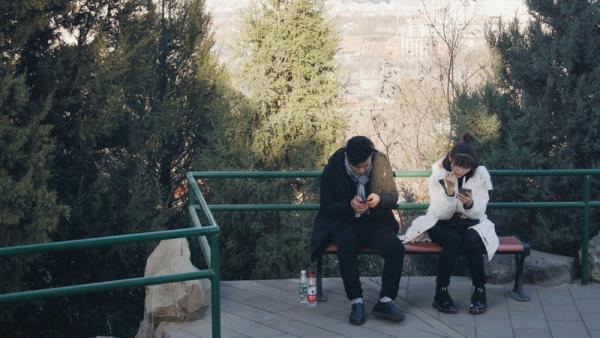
(381, 41)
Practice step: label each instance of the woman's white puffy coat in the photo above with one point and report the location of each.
(443, 206)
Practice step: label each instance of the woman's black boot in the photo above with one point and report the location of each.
(442, 300)
(478, 301)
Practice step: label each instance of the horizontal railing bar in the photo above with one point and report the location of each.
(412, 206)
(401, 206)
(263, 207)
(506, 205)
(536, 205)
(412, 173)
(256, 174)
(397, 173)
(104, 286)
(107, 240)
(544, 172)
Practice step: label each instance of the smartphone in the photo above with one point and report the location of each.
(462, 191)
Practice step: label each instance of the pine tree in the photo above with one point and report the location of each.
(140, 90)
(133, 88)
(29, 209)
(293, 82)
(545, 113)
(287, 121)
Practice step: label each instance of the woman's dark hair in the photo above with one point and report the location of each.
(463, 154)
(358, 149)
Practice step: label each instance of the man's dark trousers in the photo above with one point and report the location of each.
(383, 241)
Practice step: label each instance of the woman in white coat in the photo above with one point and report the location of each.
(456, 220)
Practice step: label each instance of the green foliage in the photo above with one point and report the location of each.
(263, 244)
(473, 116)
(287, 122)
(105, 105)
(29, 209)
(545, 97)
(291, 75)
(130, 96)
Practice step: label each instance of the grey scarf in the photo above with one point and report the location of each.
(360, 180)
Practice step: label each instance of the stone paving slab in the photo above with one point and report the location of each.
(269, 308)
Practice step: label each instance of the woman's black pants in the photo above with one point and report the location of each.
(453, 239)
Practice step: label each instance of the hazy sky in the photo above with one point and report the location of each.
(370, 7)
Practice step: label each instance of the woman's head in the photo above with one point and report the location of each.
(462, 158)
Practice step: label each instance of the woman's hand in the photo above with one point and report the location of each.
(451, 182)
(466, 198)
(359, 206)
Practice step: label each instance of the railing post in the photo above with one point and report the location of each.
(215, 286)
(192, 241)
(585, 240)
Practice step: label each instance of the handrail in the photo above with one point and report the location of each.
(401, 206)
(103, 286)
(210, 250)
(210, 246)
(197, 196)
(584, 204)
(255, 174)
(105, 241)
(397, 173)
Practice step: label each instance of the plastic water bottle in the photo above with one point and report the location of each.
(312, 289)
(302, 287)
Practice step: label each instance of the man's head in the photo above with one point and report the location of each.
(359, 151)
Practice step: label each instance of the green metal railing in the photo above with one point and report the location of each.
(207, 237)
(585, 204)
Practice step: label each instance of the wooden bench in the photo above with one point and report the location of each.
(508, 245)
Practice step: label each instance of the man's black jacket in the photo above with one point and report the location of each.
(337, 189)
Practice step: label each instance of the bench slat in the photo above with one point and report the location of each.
(508, 244)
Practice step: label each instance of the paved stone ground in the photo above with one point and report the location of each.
(268, 308)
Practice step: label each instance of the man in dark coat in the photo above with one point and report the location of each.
(357, 195)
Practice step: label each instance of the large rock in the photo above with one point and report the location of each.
(547, 269)
(501, 269)
(594, 257)
(180, 301)
(163, 331)
(541, 268)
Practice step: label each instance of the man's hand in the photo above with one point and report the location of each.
(451, 182)
(358, 206)
(373, 200)
(466, 198)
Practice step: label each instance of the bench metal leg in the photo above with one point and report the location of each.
(518, 292)
(321, 297)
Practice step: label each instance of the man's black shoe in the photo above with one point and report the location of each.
(478, 301)
(442, 300)
(357, 314)
(388, 311)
